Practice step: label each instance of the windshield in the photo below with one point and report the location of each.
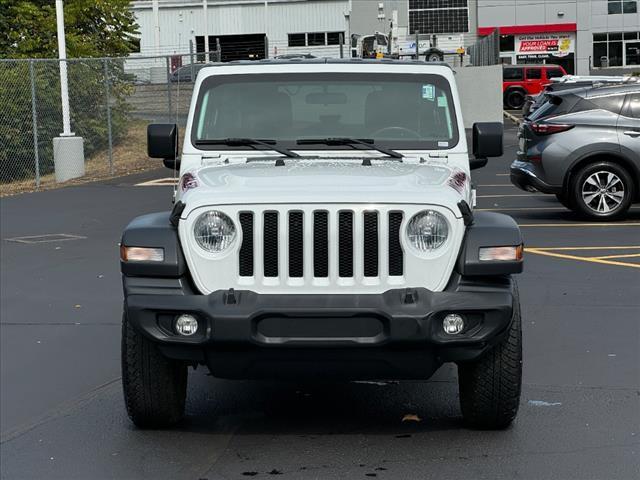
(398, 111)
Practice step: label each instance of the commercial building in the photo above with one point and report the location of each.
(581, 35)
(244, 29)
(584, 36)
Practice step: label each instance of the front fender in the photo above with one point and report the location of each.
(154, 230)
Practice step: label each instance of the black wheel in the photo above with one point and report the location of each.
(433, 57)
(155, 387)
(490, 386)
(602, 191)
(564, 200)
(514, 99)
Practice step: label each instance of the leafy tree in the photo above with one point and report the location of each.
(94, 28)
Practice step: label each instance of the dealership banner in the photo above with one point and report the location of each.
(545, 45)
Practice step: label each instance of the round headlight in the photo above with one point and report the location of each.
(214, 231)
(427, 231)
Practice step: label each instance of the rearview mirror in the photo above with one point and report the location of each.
(162, 141)
(487, 142)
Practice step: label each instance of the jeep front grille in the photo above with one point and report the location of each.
(308, 240)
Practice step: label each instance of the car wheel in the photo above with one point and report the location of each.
(602, 191)
(514, 99)
(434, 57)
(155, 387)
(490, 387)
(564, 199)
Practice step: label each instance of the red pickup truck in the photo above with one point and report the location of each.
(521, 80)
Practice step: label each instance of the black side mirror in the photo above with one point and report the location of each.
(487, 142)
(162, 141)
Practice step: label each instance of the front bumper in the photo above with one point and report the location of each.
(524, 177)
(397, 334)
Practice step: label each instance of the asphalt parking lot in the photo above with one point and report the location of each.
(62, 413)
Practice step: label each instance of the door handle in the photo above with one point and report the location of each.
(632, 133)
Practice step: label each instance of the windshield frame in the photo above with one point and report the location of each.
(408, 144)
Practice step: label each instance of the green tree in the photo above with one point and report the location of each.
(93, 28)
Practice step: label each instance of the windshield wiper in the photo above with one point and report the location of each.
(249, 142)
(352, 142)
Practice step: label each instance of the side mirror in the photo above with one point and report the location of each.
(487, 142)
(162, 141)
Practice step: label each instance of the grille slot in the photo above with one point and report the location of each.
(245, 258)
(345, 244)
(370, 239)
(396, 256)
(270, 244)
(320, 244)
(296, 245)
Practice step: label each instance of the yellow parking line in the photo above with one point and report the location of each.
(581, 259)
(628, 255)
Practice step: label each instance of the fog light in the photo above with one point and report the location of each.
(186, 325)
(453, 324)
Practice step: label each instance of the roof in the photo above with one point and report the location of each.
(343, 61)
(589, 91)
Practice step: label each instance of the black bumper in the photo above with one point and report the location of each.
(524, 177)
(397, 334)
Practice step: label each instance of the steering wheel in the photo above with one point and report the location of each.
(402, 132)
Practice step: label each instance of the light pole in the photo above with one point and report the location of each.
(68, 150)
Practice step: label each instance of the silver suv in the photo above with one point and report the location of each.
(583, 145)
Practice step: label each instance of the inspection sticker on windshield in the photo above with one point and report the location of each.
(428, 92)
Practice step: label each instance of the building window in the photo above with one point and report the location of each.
(507, 43)
(622, 6)
(297, 40)
(438, 16)
(333, 38)
(316, 39)
(616, 49)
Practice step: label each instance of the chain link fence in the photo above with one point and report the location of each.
(111, 101)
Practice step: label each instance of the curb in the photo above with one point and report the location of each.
(513, 118)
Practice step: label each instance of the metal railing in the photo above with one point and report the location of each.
(486, 51)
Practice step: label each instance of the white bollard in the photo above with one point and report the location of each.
(68, 158)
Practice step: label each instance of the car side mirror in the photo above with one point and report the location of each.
(162, 142)
(487, 142)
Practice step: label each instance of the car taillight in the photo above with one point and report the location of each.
(549, 128)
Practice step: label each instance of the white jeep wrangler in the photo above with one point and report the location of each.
(323, 227)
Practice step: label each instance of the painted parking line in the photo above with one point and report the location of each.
(611, 257)
(159, 182)
(607, 260)
(511, 195)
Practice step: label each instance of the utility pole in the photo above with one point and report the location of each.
(156, 26)
(205, 17)
(68, 150)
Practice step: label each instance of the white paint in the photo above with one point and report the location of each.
(541, 403)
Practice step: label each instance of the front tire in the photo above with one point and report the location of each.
(514, 99)
(155, 387)
(490, 386)
(602, 191)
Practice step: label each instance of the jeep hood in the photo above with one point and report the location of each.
(327, 181)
